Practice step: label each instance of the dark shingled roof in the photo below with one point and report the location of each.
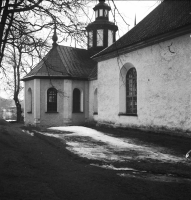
(65, 62)
(168, 17)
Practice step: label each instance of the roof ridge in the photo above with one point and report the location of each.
(72, 47)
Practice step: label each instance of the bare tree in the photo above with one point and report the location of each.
(18, 52)
(40, 15)
(15, 62)
(25, 26)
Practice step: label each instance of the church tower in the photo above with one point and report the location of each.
(101, 32)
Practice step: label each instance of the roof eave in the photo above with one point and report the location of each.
(92, 78)
(142, 44)
(53, 77)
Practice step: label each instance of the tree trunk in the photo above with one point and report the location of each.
(19, 111)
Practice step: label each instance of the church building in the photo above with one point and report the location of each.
(62, 88)
(143, 80)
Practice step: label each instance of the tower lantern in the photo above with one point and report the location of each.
(101, 10)
(101, 32)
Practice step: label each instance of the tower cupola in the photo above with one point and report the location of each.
(101, 32)
(101, 11)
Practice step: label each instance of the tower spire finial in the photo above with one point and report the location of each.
(54, 37)
(135, 22)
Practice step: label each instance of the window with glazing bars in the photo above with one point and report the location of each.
(131, 91)
(52, 100)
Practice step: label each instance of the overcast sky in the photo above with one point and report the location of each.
(127, 9)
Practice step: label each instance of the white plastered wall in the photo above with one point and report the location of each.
(52, 119)
(64, 115)
(28, 113)
(83, 86)
(163, 86)
(92, 87)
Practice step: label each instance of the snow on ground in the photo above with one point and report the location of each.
(115, 168)
(28, 132)
(92, 144)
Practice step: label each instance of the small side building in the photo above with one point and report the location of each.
(62, 88)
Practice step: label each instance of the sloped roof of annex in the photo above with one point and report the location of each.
(64, 63)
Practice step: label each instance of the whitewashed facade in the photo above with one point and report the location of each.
(36, 112)
(163, 87)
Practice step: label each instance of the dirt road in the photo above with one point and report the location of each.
(40, 167)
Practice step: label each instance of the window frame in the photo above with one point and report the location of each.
(30, 102)
(77, 104)
(90, 39)
(106, 12)
(96, 14)
(110, 37)
(101, 12)
(52, 105)
(95, 102)
(100, 38)
(131, 92)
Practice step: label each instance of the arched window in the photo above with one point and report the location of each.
(95, 108)
(51, 100)
(29, 103)
(77, 101)
(131, 91)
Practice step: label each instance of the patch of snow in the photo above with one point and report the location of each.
(115, 168)
(49, 134)
(83, 131)
(188, 154)
(95, 153)
(118, 149)
(28, 132)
